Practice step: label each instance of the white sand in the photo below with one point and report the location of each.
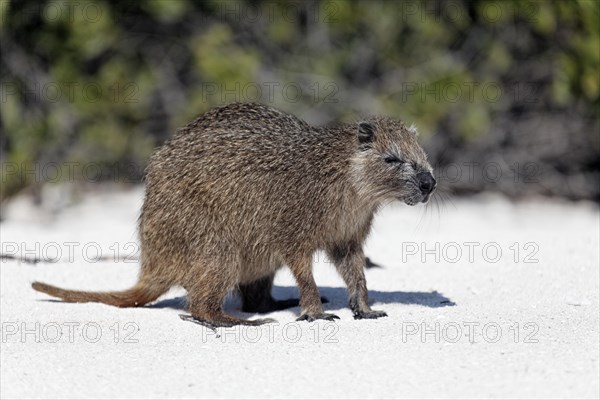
(472, 328)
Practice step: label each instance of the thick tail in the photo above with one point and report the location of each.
(137, 296)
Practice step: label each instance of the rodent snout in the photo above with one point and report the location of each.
(426, 182)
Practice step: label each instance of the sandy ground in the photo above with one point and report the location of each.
(486, 298)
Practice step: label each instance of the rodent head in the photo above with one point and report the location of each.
(390, 164)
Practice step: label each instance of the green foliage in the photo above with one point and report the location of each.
(128, 74)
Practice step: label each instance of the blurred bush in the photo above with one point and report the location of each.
(509, 84)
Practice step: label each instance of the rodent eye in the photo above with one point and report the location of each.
(393, 160)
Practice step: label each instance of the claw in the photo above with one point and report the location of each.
(305, 317)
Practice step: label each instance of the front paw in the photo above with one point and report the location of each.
(314, 317)
(372, 314)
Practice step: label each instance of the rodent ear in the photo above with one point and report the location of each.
(366, 132)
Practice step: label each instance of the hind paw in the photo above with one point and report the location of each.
(372, 314)
(225, 322)
(314, 317)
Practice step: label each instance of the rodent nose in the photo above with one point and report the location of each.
(426, 182)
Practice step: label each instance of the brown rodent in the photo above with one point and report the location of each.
(245, 189)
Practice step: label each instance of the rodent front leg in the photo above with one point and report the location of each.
(310, 299)
(349, 261)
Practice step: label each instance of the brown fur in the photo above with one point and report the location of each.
(245, 189)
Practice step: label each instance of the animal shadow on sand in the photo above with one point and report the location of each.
(337, 299)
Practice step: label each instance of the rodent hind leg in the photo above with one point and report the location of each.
(310, 300)
(208, 312)
(205, 299)
(349, 262)
(257, 298)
